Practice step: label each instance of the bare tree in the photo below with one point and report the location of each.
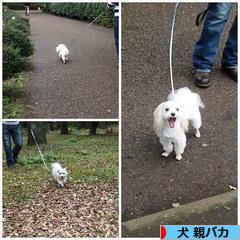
(64, 128)
(93, 128)
(39, 130)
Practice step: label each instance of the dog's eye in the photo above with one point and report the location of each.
(167, 109)
(177, 109)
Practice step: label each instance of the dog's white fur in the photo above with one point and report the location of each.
(59, 174)
(63, 52)
(184, 107)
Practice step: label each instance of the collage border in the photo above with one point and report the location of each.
(119, 119)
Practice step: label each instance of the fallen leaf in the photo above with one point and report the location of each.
(75, 211)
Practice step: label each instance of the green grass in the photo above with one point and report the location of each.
(88, 159)
(12, 96)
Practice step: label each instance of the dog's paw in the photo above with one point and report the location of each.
(165, 154)
(197, 134)
(179, 157)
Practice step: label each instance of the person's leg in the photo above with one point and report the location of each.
(18, 141)
(205, 50)
(116, 33)
(229, 57)
(7, 146)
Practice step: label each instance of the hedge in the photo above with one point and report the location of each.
(18, 22)
(17, 46)
(20, 6)
(13, 62)
(83, 11)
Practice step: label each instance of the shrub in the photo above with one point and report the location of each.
(13, 87)
(83, 11)
(17, 46)
(20, 6)
(13, 62)
(19, 23)
(18, 39)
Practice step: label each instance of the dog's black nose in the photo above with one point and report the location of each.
(173, 114)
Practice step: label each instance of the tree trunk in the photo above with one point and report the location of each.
(81, 125)
(52, 126)
(93, 128)
(64, 128)
(39, 130)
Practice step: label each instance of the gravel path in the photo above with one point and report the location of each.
(86, 87)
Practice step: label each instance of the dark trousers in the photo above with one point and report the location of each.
(14, 132)
(205, 51)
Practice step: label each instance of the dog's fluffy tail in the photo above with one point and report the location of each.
(185, 95)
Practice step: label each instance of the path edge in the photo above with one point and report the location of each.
(142, 226)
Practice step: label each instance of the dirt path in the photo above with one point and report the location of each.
(150, 182)
(87, 87)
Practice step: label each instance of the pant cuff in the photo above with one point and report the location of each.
(203, 70)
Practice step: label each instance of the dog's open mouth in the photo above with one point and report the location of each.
(171, 122)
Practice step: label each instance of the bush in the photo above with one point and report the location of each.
(83, 11)
(20, 6)
(13, 62)
(17, 46)
(13, 88)
(19, 23)
(18, 39)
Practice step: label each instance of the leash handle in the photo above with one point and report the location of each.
(40, 151)
(170, 47)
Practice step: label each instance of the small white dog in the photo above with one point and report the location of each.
(62, 52)
(171, 120)
(59, 174)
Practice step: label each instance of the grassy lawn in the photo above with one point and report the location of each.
(88, 159)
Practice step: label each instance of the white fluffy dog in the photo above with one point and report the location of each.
(171, 120)
(62, 52)
(59, 174)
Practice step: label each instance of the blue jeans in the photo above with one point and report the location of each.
(14, 132)
(205, 51)
(116, 33)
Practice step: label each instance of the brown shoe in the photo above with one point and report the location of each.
(201, 79)
(231, 72)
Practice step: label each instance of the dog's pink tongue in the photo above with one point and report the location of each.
(171, 122)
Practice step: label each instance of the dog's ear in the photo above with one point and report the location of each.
(158, 120)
